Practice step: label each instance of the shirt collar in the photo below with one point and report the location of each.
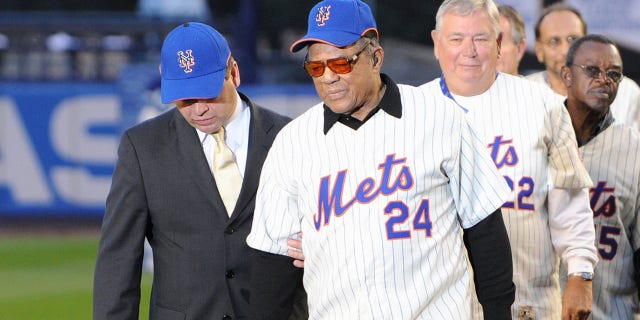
(390, 103)
(233, 126)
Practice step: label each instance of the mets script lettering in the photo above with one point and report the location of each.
(608, 206)
(330, 199)
(500, 156)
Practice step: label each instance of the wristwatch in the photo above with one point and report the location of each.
(586, 276)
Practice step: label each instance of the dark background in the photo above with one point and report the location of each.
(259, 31)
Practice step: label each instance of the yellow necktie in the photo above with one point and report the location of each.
(226, 172)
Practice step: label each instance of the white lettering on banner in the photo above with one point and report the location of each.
(70, 124)
(78, 186)
(20, 170)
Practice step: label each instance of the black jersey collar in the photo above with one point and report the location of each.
(390, 103)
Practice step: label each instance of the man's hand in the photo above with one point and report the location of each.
(577, 299)
(296, 251)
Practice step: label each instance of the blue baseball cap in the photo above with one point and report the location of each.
(193, 64)
(338, 23)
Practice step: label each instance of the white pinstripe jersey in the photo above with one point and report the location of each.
(529, 135)
(381, 209)
(613, 161)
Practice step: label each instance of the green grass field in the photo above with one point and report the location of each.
(51, 277)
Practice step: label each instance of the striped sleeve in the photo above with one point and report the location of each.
(477, 186)
(276, 214)
(567, 169)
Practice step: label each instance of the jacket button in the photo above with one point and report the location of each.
(230, 274)
(226, 317)
(229, 230)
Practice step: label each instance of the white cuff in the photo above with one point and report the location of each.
(579, 264)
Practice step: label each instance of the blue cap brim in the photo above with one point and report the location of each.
(207, 86)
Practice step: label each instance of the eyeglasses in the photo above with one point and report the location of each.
(556, 41)
(594, 72)
(338, 65)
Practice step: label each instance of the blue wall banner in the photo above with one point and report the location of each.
(58, 146)
(58, 141)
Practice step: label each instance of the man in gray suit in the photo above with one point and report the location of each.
(163, 189)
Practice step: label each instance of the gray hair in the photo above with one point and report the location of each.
(515, 20)
(467, 7)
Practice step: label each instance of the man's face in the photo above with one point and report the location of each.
(345, 93)
(557, 30)
(510, 52)
(594, 93)
(467, 49)
(208, 115)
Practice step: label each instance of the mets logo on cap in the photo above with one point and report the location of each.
(323, 15)
(186, 60)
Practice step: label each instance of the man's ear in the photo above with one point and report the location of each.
(499, 42)
(378, 58)
(235, 74)
(522, 48)
(566, 76)
(434, 37)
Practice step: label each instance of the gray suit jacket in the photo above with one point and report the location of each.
(163, 189)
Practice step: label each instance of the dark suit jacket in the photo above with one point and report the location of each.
(163, 189)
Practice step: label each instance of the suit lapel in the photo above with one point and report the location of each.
(193, 161)
(260, 138)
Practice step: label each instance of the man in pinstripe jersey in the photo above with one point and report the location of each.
(528, 133)
(558, 25)
(611, 152)
(381, 178)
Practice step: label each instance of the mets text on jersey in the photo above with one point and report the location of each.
(330, 199)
